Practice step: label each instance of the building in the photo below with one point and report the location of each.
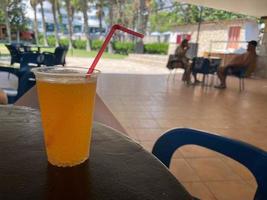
(78, 23)
(227, 36)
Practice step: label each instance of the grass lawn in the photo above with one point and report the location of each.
(72, 53)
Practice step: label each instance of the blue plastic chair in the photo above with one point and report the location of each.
(31, 59)
(251, 157)
(56, 58)
(241, 75)
(205, 66)
(15, 53)
(26, 80)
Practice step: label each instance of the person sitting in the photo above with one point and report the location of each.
(243, 61)
(181, 61)
(3, 97)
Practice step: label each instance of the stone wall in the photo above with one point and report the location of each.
(215, 31)
(261, 70)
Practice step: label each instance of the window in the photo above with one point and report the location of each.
(49, 27)
(233, 37)
(178, 39)
(181, 37)
(93, 17)
(77, 29)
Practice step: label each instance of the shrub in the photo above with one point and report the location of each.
(51, 41)
(156, 48)
(123, 47)
(64, 42)
(79, 44)
(96, 44)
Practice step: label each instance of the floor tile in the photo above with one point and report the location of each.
(183, 171)
(212, 169)
(144, 101)
(231, 190)
(239, 169)
(194, 151)
(199, 190)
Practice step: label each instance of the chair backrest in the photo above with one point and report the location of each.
(25, 81)
(214, 64)
(26, 48)
(30, 58)
(169, 63)
(174, 62)
(13, 49)
(200, 65)
(251, 157)
(192, 51)
(60, 55)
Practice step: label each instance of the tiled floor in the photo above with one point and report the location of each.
(148, 105)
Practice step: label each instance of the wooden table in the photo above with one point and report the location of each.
(118, 167)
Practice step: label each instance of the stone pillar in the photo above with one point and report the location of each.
(261, 70)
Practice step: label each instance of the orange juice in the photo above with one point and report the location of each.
(67, 115)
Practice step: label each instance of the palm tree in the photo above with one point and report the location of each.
(100, 13)
(142, 20)
(44, 23)
(144, 9)
(34, 5)
(111, 4)
(54, 4)
(4, 6)
(70, 12)
(82, 5)
(59, 5)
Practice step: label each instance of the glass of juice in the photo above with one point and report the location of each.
(66, 97)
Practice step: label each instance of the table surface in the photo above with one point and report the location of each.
(118, 167)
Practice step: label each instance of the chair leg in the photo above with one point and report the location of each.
(241, 84)
(174, 73)
(204, 80)
(169, 75)
(212, 80)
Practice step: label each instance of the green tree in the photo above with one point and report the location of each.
(35, 23)
(100, 13)
(110, 4)
(60, 17)
(179, 13)
(143, 16)
(70, 15)
(54, 4)
(17, 17)
(82, 5)
(4, 7)
(44, 23)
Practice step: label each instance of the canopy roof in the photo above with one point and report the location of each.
(256, 8)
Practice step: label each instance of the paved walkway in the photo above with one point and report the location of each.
(122, 66)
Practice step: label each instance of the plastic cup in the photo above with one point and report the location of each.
(66, 97)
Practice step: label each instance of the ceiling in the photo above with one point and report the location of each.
(256, 8)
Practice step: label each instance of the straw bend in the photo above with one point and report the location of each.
(102, 49)
(119, 27)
